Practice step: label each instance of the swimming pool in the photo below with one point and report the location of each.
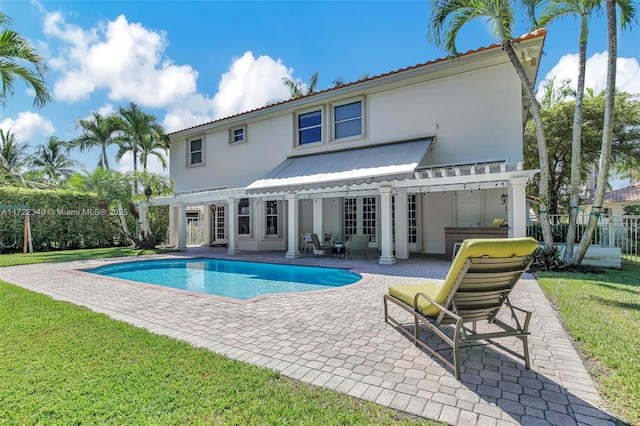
(230, 278)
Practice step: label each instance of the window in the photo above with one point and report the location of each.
(193, 218)
(273, 228)
(238, 134)
(350, 217)
(196, 150)
(347, 120)
(412, 210)
(244, 217)
(310, 127)
(369, 222)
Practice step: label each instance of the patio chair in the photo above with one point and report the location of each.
(320, 247)
(477, 285)
(359, 245)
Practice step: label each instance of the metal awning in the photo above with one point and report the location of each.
(383, 163)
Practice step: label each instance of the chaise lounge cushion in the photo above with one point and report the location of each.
(407, 292)
(491, 248)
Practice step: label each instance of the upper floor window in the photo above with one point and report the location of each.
(238, 134)
(196, 151)
(347, 120)
(310, 127)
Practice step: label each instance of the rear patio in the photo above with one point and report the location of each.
(338, 339)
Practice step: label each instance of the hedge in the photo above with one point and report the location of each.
(63, 219)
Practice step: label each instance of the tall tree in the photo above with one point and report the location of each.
(13, 157)
(97, 132)
(447, 19)
(558, 116)
(19, 60)
(583, 9)
(299, 89)
(628, 13)
(53, 161)
(154, 146)
(134, 126)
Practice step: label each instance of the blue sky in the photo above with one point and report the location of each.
(188, 62)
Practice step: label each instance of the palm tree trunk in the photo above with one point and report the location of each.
(105, 160)
(543, 150)
(576, 151)
(607, 133)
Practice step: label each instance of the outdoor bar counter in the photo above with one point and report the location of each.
(457, 235)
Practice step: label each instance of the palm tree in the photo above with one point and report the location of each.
(628, 14)
(108, 185)
(153, 184)
(97, 131)
(12, 158)
(582, 9)
(447, 19)
(15, 55)
(134, 126)
(298, 89)
(53, 162)
(154, 146)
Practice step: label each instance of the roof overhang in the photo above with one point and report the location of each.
(372, 164)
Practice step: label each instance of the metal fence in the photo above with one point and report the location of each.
(616, 231)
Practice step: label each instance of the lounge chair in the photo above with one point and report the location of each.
(359, 245)
(320, 247)
(478, 284)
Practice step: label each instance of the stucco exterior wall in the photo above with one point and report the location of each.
(234, 165)
(476, 116)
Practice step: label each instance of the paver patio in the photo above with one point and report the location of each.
(338, 339)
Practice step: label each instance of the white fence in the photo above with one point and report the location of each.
(616, 231)
(195, 233)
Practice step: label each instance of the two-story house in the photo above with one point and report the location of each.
(403, 157)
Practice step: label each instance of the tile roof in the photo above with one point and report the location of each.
(532, 35)
(623, 195)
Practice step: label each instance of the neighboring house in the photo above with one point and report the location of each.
(400, 157)
(615, 201)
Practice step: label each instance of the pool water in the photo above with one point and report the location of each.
(230, 278)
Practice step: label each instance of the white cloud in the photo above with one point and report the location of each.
(250, 83)
(126, 59)
(28, 125)
(627, 75)
(153, 165)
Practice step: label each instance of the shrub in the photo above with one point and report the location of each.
(547, 257)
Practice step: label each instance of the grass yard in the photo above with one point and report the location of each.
(602, 312)
(63, 364)
(66, 255)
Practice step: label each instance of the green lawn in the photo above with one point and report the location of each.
(63, 364)
(66, 255)
(602, 312)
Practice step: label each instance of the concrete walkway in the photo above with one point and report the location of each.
(338, 339)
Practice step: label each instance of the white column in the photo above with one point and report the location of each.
(517, 214)
(293, 233)
(206, 219)
(232, 218)
(386, 232)
(173, 226)
(317, 216)
(182, 227)
(402, 225)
